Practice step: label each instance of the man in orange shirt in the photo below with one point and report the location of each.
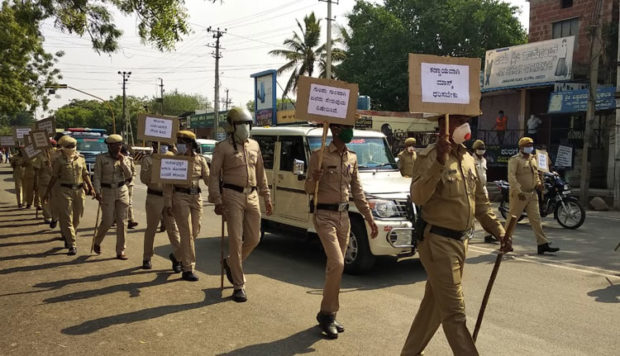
(501, 122)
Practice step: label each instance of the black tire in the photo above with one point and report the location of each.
(572, 219)
(503, 209)
(358, 259)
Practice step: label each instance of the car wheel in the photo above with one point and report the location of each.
(358, 259)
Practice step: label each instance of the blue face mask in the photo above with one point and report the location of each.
(528, 150)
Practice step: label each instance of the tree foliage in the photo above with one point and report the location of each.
(381, 36)
(176, 103)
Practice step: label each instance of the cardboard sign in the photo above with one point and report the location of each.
(158, 128)
(40, 139)
(542, 160)
(326, 100)
(172, 169)
(444, 85)
(564, 157)
(7, 141)
(19, 132)
(48, 125)
(31, 152)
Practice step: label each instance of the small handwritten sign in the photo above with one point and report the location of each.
(542, 160)
(157, 128)
(7, 141)
(564, 157)
(19, 132)
(48, 125)
(40, 139)
(326, 100)
(445, 83)
(171, 169)
(31, 152)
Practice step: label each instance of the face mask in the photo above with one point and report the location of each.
(461, 134)
(410, 149)
(346, 135)
(181, 148)
(68, 151)
(480, 152)
(242, 132)
(528, 150)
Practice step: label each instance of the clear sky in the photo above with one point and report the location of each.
(253, 29)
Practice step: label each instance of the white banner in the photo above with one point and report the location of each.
(445, 83)
(537, 62)
(328, 101)
(173, 169)
(158, 127)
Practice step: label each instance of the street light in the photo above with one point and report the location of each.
(52, 90)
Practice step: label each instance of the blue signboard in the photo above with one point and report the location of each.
(571, 101)
(265, 98)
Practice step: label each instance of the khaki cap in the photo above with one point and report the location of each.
(477, 143)
(524, 141)
(186, 134)
(115, 138)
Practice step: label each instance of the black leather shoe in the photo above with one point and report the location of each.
(189, 276)
(339, 327)
(227, 269)
(490, 239)
(72, 251)
(147, 264)
(67, 244)
(97, 249)
(239, 296)
(53, 224)
(326, 323)
(162, 228)
(132, 224)
(176, 265)
(122, 256)
(546, 248)
(28, 206)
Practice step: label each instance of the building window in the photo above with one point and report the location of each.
(566, 3)
(565, 28)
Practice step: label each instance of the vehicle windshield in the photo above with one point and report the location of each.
(372, 152)
(207, 147)
(91, 145)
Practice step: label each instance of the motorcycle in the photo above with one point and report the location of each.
(567, 209)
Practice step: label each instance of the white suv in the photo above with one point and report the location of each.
(285, 147)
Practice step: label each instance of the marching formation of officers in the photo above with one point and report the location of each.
(447, 182)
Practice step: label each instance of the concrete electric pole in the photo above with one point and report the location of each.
(126, 76)
(161, 97)
(328, 43)
(217, 34)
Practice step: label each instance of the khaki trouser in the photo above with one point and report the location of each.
(333, 228)
(530, 204)
(28, 190)
(154, 208)
(187, 210)
(70, 208)
(243, 219)
(42, 183)
(18, 189)
(443, 303)
(114, 208)
(130, 208)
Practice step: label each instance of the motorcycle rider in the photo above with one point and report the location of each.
(524, 183)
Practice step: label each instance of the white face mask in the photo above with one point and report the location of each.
(461, 133)
(410, 149)
(181, 148)
(242, 132)
(528, 150)
(480, 152)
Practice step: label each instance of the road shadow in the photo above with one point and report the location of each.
(37, 233)
(296, 344)
(53, 285)
(9, 244)
(52, 251)
(21, 225)
(212, 296)
(76, 261)
(609, 294)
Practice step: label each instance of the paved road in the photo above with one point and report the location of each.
(53, 304)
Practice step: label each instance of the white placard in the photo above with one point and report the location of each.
(21, 131)
(157, 127)
(445, 83)
(30, 151)
(7, 141)
(542, 160)
(173, 169)
(564, 157)
(328, 101)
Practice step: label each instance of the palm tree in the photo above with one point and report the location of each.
(304, 51)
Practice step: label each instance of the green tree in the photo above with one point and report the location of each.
(176, 103)
(381, 36)
(7, 122)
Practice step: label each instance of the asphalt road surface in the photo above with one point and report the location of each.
(54, 304)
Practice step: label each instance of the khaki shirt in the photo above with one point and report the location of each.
(70, 170)
(200, 170)
(109, 170)
(17, 163)
(481, 168)
(522, 174)
(132, 168)
(405, 163)
(43, 165)
(340, 179)
(451, 195)
(242, 167)
(146, 166)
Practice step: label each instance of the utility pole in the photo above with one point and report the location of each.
(161, 88)
(126, 76)
(595, 53)
(227, 101)
(328, 44)
(217, 34)
(616, 151)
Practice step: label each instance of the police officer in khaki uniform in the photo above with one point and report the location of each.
(43, 171)
(70, 171)
(524, 181)
(338, 178)
(154, 208)
(112, 172)
(406, 158)
(28, 183)
(239, 172)
(130, 221)
(17, 163)
(184, 202)
(446, 186)
(480, 161)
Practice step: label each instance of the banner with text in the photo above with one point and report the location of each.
(7, 141)
(326, 100)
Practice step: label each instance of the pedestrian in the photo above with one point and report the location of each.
(130, 221)
(112, 172)
(237, 181)
(532, 126)
(43, 171)
(446, 186)
(71, 172)
(17, 163)
(184, 202)
(406, 158)
(154, 208)
(338, 179)
(524, 180)
(501, 123)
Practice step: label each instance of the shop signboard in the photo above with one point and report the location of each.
(572, 101)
